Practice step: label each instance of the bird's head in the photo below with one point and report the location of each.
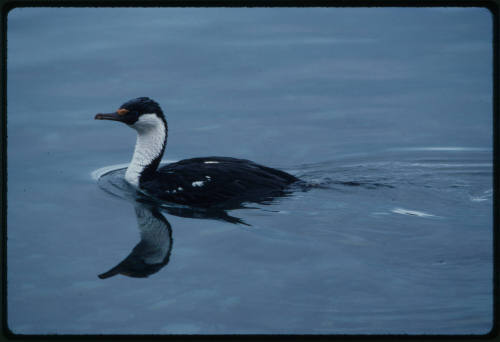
(140, 113)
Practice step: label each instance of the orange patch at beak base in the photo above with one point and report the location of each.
(122, 111)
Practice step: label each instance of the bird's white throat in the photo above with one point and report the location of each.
(151, 134)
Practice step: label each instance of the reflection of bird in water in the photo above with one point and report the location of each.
(200, 182)
(153, 251)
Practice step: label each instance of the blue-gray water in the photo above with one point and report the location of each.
(386, 113)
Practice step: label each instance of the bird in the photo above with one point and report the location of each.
(205, 182)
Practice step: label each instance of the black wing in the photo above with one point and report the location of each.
(217, 181)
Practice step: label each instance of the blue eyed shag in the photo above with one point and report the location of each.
(201, 182)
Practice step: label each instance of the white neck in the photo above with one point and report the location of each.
(151, 134)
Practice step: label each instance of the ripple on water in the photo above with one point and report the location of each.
(411, 212)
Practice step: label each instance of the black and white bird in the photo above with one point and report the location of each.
(201, 182)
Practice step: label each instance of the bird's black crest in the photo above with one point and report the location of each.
(143, 105)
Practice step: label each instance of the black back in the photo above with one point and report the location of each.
(223, 182)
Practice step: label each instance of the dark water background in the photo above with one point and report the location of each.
(386, 113)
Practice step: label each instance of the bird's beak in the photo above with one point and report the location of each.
(109, 116)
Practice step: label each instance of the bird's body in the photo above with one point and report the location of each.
(201, 182)
(216, 181)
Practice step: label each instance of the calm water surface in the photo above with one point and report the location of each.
(388, 123)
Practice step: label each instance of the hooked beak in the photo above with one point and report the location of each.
(109, 116)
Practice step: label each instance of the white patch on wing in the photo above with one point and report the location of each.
(198, 183)
(180, 188)
(150, 138)
(211, 162)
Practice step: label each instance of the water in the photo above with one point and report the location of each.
(388, 124)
